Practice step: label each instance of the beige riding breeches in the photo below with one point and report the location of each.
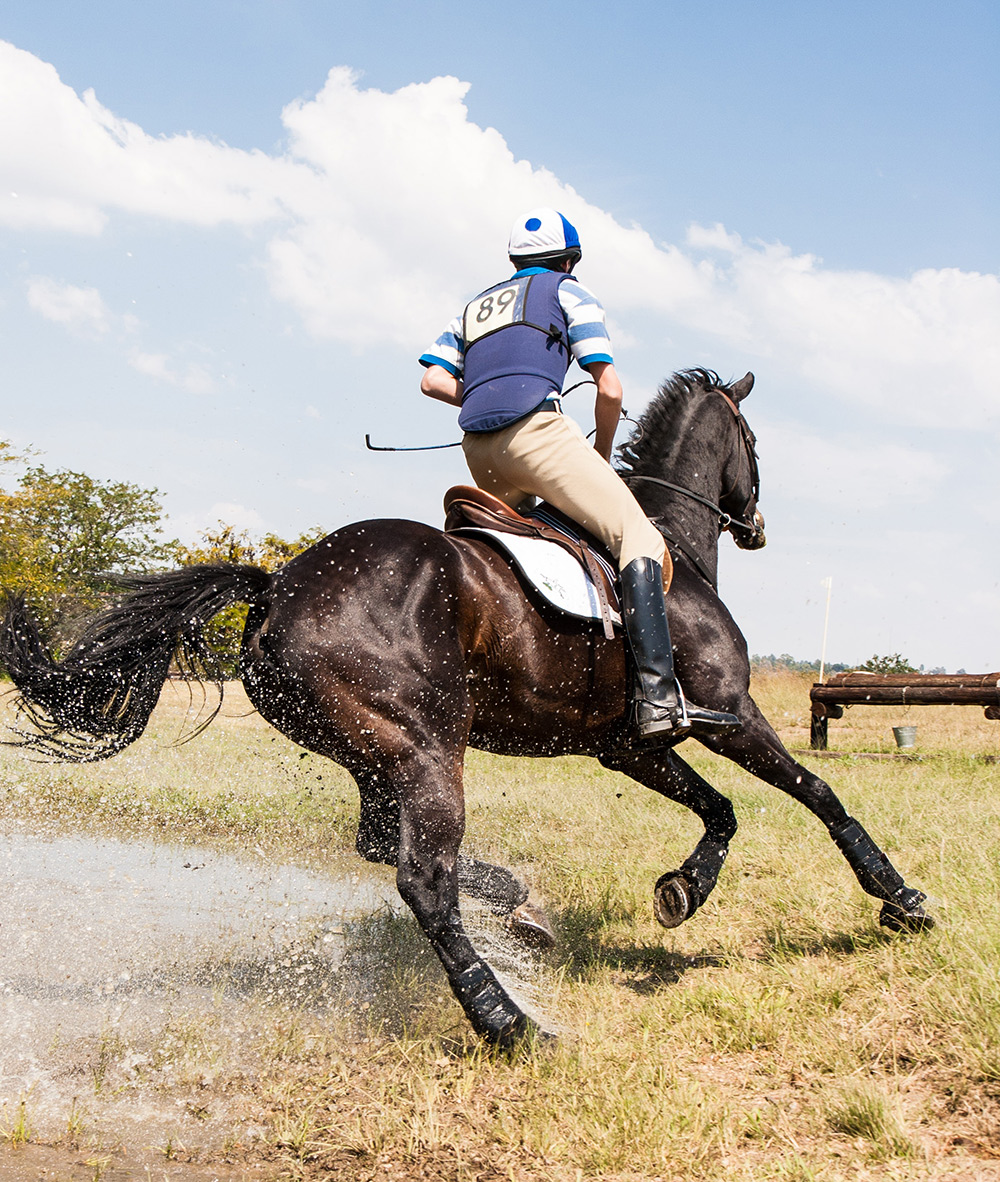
(546, 455)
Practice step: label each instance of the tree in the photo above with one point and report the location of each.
(227, 544)
(63, 533)
(892, 663)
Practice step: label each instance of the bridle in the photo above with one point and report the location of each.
(745, 520)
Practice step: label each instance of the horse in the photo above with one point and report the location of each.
(390, 647)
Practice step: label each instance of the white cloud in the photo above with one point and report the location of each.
(857, 474)
(928, 343)
(70, 162)
(387, 210)
(80, 309)
(193, 378)
(235, 514)
(83, 311)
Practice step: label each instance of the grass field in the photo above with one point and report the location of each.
(780, 1034)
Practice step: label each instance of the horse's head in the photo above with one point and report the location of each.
(741, 477)
(692, 463)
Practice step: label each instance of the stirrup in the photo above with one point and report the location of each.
(654, 722)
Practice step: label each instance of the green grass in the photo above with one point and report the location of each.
(780, 1034)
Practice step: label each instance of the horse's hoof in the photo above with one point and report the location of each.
(530, 924)
(517, 1035)
(673, 902)
(896, 919)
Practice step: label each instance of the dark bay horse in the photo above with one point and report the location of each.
(391, 647)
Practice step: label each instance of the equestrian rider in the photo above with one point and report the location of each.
(503, 362)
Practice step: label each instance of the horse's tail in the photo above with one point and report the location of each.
(98, 698)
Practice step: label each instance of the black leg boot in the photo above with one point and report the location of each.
(659, 711)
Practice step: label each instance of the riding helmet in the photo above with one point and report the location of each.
(543, 235)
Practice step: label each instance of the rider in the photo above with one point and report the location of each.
(503, 362)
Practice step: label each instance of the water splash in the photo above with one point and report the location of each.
(131, 971)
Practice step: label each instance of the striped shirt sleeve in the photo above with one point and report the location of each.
(588, 334)
(448, 350)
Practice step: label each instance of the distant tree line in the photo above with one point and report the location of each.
(891, 663)
(64, 536)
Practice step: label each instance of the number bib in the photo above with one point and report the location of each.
(500, 307)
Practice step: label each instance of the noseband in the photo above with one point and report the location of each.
(749, 451)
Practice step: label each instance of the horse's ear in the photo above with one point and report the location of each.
(739, 390)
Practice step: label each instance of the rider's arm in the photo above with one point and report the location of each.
(591, 349)
(607, 407)
(439, 383)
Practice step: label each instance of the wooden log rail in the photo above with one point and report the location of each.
(899, 689)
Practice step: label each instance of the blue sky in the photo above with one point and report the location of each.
(218, 269)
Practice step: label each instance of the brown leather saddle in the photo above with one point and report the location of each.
(466, 506)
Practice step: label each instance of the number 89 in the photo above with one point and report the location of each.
(486, 306)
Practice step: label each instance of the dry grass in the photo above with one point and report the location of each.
(779, 1034)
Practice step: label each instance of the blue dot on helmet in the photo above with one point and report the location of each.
(533, 224)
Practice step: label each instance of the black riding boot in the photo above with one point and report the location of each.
(659, 711)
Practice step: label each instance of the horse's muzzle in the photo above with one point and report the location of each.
(755, 540)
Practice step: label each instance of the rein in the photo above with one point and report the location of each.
(726, 520)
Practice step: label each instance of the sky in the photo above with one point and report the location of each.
(228, 229)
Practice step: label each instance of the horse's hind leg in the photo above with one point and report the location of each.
(501, 891)
(679, 893)
(431, 824)
(506, 896)
(758, 749)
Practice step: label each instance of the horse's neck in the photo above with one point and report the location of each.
(693, 528)
(692, 462)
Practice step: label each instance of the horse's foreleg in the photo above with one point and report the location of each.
(758, 749)
(902, 908)
(432, 821)
(679, 893)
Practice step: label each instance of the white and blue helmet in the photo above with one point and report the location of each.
(543, 235)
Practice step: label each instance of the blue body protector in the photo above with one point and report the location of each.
(516, 350)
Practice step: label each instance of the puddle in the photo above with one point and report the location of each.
(88, 915)
(132, 972)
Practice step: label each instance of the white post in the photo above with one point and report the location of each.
(828, 584)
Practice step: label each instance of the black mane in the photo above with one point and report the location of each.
(642, 452)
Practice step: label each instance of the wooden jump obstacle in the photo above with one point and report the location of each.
(899, 689)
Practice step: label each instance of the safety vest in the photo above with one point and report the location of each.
(516, 350)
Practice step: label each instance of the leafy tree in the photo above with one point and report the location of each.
(62, 534)
(228, 544)
(892, 663)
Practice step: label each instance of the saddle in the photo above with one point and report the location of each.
(468, 507)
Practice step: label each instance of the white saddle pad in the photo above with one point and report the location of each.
(553, 572)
